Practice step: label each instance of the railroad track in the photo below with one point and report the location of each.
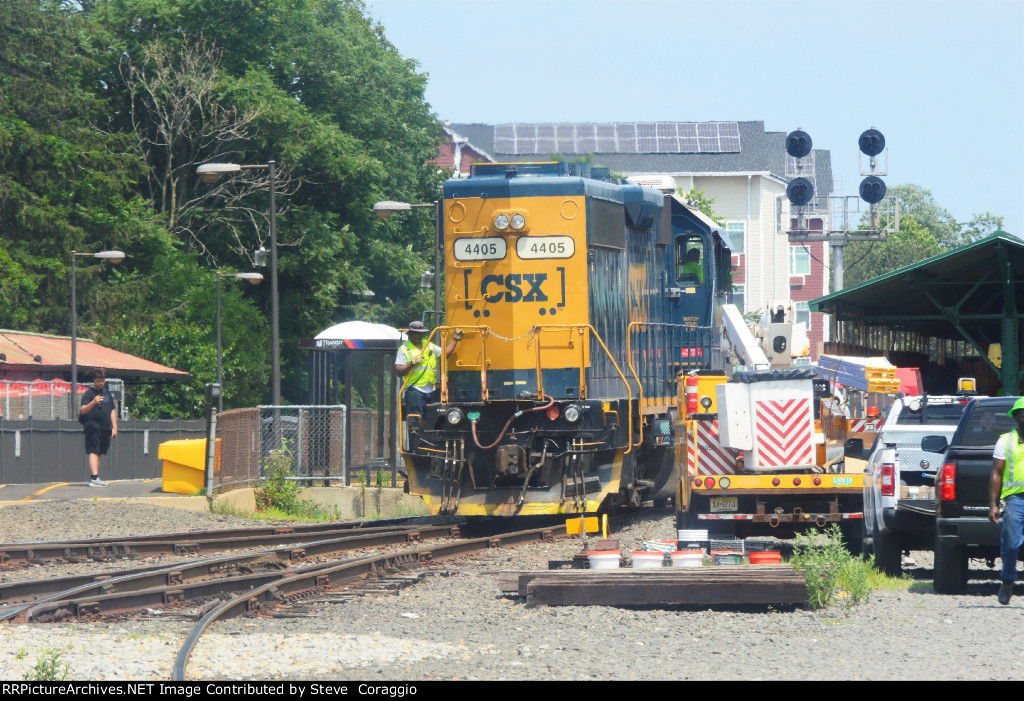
(93, 594)
(253, 583)
(15, 555)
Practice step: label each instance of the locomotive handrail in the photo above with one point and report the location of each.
(535, 331)
(629, 390)
(629, 352)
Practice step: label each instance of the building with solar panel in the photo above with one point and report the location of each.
(739, 165)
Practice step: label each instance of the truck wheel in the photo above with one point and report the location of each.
(950, 568)
(887, 553)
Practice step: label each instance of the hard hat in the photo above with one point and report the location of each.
(1017, 406)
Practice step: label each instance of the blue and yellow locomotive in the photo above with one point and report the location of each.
(581, 300)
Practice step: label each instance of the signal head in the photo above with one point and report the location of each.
(798, 143)
(872, 189)
(800, 191)
(871, 142)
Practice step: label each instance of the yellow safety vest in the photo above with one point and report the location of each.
(1013, 472)
(425, 374)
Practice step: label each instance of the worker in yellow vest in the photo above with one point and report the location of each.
(420, 360)
(1007, 484)
(691, 269)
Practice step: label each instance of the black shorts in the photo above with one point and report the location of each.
(97, 440)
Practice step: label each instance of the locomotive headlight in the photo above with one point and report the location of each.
(501, 222)
(573, 413)
(455, 416)
(518, 222)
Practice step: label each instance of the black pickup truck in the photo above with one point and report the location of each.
(963, 530)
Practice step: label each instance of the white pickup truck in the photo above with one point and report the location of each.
(899, 492)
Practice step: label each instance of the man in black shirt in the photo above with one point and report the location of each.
(99, 416)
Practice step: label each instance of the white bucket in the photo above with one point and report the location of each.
(693, 536)
(603, 559)
(688, 558)
(645, 559)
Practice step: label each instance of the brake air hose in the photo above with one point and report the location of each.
(472, 425)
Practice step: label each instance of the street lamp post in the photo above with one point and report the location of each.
(386, 208)
(114, 257)
(208, 173)
(255, 279)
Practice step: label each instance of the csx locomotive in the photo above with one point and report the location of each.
(581, 299)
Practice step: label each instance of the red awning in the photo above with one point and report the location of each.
(39, 352)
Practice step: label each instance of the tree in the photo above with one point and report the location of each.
(981, 225)
(701, 202)
(865, 260)
(938, 220)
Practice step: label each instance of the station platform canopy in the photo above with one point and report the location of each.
(946, 305)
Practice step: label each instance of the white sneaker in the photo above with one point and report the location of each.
(97, 483)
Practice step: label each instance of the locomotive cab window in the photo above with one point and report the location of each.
(690, 255)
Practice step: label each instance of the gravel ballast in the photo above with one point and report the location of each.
(455, 624)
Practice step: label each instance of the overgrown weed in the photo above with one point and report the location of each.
(832, 572)
(49, 668)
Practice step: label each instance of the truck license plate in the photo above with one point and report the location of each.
(842, 481)
(724, 504)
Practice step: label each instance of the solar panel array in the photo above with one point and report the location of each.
(618, 137)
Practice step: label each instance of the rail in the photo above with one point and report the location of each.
(317, 579)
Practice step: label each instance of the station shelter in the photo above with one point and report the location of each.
(951, 315)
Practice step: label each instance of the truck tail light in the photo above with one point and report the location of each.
(888, 480)
(945, 482)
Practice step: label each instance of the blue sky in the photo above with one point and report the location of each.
(942, 79)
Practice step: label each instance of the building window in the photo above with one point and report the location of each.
(803, 314)
(734, 232)
(738, 296)
(799, 260)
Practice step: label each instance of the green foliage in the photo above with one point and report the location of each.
(868, 259)
(830, 569)
(937, 220)
(704, 204)
(981, 225)
(49, 668)
(89, 160)
(276, 489)
(383, 478)
(278, 494)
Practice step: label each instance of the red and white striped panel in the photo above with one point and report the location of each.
(861, 425)
(713, 457)
(784, 433)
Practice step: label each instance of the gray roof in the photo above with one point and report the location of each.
(760, 151)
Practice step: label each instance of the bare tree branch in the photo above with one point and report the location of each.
(180, 120)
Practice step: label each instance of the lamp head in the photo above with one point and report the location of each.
(114, 257)
(253, 278)
(387, 207)
(209, 172)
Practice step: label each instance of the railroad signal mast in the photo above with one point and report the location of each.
(883, 213)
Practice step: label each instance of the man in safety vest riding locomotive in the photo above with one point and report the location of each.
(1007, 484)
(421, 359)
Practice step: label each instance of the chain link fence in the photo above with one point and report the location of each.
(310, 438)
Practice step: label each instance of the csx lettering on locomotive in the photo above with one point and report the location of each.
(513, 284)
